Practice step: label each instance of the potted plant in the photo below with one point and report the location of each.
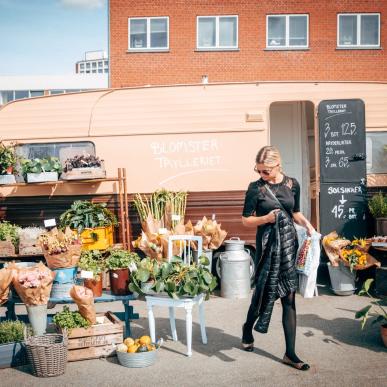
(7, 163)
(12, 348)
(94, 222)
(378, 208)
(9, 239)
(84, 166)
(92, 265)
(119, 263)
(375, 307)
(41, 170)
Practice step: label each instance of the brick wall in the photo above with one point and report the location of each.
(183, 64)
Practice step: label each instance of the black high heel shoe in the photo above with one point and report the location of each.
(299, 366)
(247, 343)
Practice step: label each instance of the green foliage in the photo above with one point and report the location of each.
(7, 158)
(378, 206)
(11, 331)
(375, 307)
(50, 164)
(85, 214)
(92, 260)
(175, 278)
(121, 259)
(70, 320)
(9, 232)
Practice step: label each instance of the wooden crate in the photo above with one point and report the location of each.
(96, 341)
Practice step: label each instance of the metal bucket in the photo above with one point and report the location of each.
(37, 314)
(63, 282)
(342, 280)
(235, 276)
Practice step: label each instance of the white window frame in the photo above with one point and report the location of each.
(358, 37)
(287, 46)
(148, 36)
(216, 47)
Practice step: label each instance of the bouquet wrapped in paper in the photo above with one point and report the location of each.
(210, 230)
(84, 299)
(6, 276)
(33, 284)
(61, 249)
(353, 254)
(29, 243)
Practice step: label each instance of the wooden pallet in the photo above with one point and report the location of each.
(96, 341)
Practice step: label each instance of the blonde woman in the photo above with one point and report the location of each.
(272, 204)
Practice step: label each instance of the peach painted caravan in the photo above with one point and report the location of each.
(199, 138)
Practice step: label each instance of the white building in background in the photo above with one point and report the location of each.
(18, 87)
(95, 62)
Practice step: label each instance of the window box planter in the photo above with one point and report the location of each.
(42, 177)
(84, 173)
(12, 355)
(7, 179)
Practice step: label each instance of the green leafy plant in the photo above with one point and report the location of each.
(50, 164)
(364, 314)
(7, 159)
(378, 206)
(121, 259)
(175, 278)
(9, 232)
(11, 331)
(92, 260)
(85, 214)
(70, 320)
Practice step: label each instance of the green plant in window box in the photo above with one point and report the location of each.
(50, 164)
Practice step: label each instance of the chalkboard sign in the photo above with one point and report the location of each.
(343, 208)
(342, 141)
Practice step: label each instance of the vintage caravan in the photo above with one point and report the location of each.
(199, 138)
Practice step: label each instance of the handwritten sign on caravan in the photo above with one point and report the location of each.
(343, 208)
(342, 140)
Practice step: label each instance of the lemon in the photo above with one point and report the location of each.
(128, 341)
(144, 340)
(133, 348)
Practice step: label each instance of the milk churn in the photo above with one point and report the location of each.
(235, 270)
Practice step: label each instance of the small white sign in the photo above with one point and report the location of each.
(86, 274)
(132, 267)
(49, 223)
(162, 231)
(100, 319)
(115, 275)
(175, 217)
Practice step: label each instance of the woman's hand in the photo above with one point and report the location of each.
(271, 216)
(310, 229)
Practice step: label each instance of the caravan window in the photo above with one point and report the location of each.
(62, 150)
(376, 152)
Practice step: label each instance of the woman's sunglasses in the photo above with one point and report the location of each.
(265, 171)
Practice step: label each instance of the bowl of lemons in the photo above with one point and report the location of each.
(137, 353)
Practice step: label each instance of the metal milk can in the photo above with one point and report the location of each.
(235, 270)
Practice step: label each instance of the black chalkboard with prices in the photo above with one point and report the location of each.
(343, 208)
(342, 141)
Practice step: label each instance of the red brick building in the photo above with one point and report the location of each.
(178, 42)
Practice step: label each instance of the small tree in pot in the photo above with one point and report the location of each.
(119, 263)
(378, 208)
(8, 161)
(92, 265)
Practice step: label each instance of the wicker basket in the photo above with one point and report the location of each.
(47, 354)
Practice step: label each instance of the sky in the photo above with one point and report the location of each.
(47, 37)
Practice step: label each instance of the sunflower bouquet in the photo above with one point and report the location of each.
(354, 257)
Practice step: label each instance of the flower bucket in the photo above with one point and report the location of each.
(342, 280)
(119, 281)
(37, 314)
(63, 282)
(94, 285)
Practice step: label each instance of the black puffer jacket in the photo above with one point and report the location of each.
(276, 276)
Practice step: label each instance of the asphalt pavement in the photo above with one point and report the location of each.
(328, 338)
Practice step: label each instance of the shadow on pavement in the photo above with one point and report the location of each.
(342, 331)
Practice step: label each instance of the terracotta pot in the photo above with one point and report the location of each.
(94, 285)
(119, 281)
(9, 170)
(383, 331)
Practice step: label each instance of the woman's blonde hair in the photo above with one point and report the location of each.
(268, 155)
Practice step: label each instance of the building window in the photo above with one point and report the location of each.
(358, 30)
(88, 65)
(100, 64)
(94, 65)
(106, 62)
(100, 71)
(150, 33)
(105, 70)
(217, 32)
(287, 31)
(376, 146)
(82, 66)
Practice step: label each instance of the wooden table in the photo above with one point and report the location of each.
(129, 314)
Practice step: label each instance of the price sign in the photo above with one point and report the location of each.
(342, 140)
(343, 209)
